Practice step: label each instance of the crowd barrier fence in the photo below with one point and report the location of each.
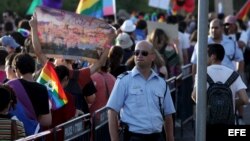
(96, 128)
(184, 102)
(100, 125)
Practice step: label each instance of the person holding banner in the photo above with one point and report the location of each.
(83, 78)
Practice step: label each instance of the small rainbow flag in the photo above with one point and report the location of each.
(48, 77)
(108, 7)
(90, 7)
(242, 14)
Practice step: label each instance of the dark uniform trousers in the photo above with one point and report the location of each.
(144, 137)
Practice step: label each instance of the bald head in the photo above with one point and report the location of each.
(217, 22)
(145, 44)
(216, 29)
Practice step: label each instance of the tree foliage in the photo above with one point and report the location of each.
(21, 6)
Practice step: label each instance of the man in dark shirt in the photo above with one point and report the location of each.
(24, 66)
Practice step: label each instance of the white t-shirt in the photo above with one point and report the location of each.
(243, 37)
(222, 73)
(184, 43)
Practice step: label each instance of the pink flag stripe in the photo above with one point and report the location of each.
(108, 11)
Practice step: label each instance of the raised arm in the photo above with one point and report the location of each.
(97, 65)
(35, 41)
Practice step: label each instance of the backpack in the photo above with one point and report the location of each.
(220, 101)
(24, 109)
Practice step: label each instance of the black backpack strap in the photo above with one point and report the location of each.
(123, 74)
(160, 104)
(209, 80)
(232, 78)
(237, 35)
(75, 74)
(235, 42)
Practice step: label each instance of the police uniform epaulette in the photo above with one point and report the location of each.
(122, 75)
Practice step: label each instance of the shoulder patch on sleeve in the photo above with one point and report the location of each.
(123, 74)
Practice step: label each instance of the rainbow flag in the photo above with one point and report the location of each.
(108, 7)
(48, 77)
(47, 3)
(90, 7)
(242, 14)
(33, 6)
(53, 3)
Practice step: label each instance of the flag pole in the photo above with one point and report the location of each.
(201, 112)
(114, 9)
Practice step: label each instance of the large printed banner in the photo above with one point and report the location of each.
(71, 36)
(170, 29)
(162, 4)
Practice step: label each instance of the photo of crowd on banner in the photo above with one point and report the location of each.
(102, 73)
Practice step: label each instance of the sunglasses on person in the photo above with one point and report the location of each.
(142, 52)
(227, 24)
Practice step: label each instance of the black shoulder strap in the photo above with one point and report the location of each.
(209, 80)
(235, 42)
(237, 35)
(166, 88)
(232, 78)
(123, 74)
(161, 107)
(75, 74)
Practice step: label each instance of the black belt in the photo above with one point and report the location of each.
(152, 135)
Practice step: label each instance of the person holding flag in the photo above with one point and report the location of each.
(83, 78)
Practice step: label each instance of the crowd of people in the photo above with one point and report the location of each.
(129, 78)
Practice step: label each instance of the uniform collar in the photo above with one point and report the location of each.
(135, 72)
(224, 39)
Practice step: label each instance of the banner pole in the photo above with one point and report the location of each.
(114, 9)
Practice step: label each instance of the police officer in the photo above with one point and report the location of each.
(143, 100)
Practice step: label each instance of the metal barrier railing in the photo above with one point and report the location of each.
(37, 136)
(172, 84)
(76, 128)
(100, 125)
(184, 101)
(81, 128)
(186, 71)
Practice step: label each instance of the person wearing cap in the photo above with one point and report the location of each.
(123, 40)
(231, 30)
(129, 27)
(10, 44)
(239, 37)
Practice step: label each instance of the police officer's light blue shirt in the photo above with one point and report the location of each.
(137, 100)
(231, 50)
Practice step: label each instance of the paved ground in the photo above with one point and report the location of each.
(188, 133)
(189, 128)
